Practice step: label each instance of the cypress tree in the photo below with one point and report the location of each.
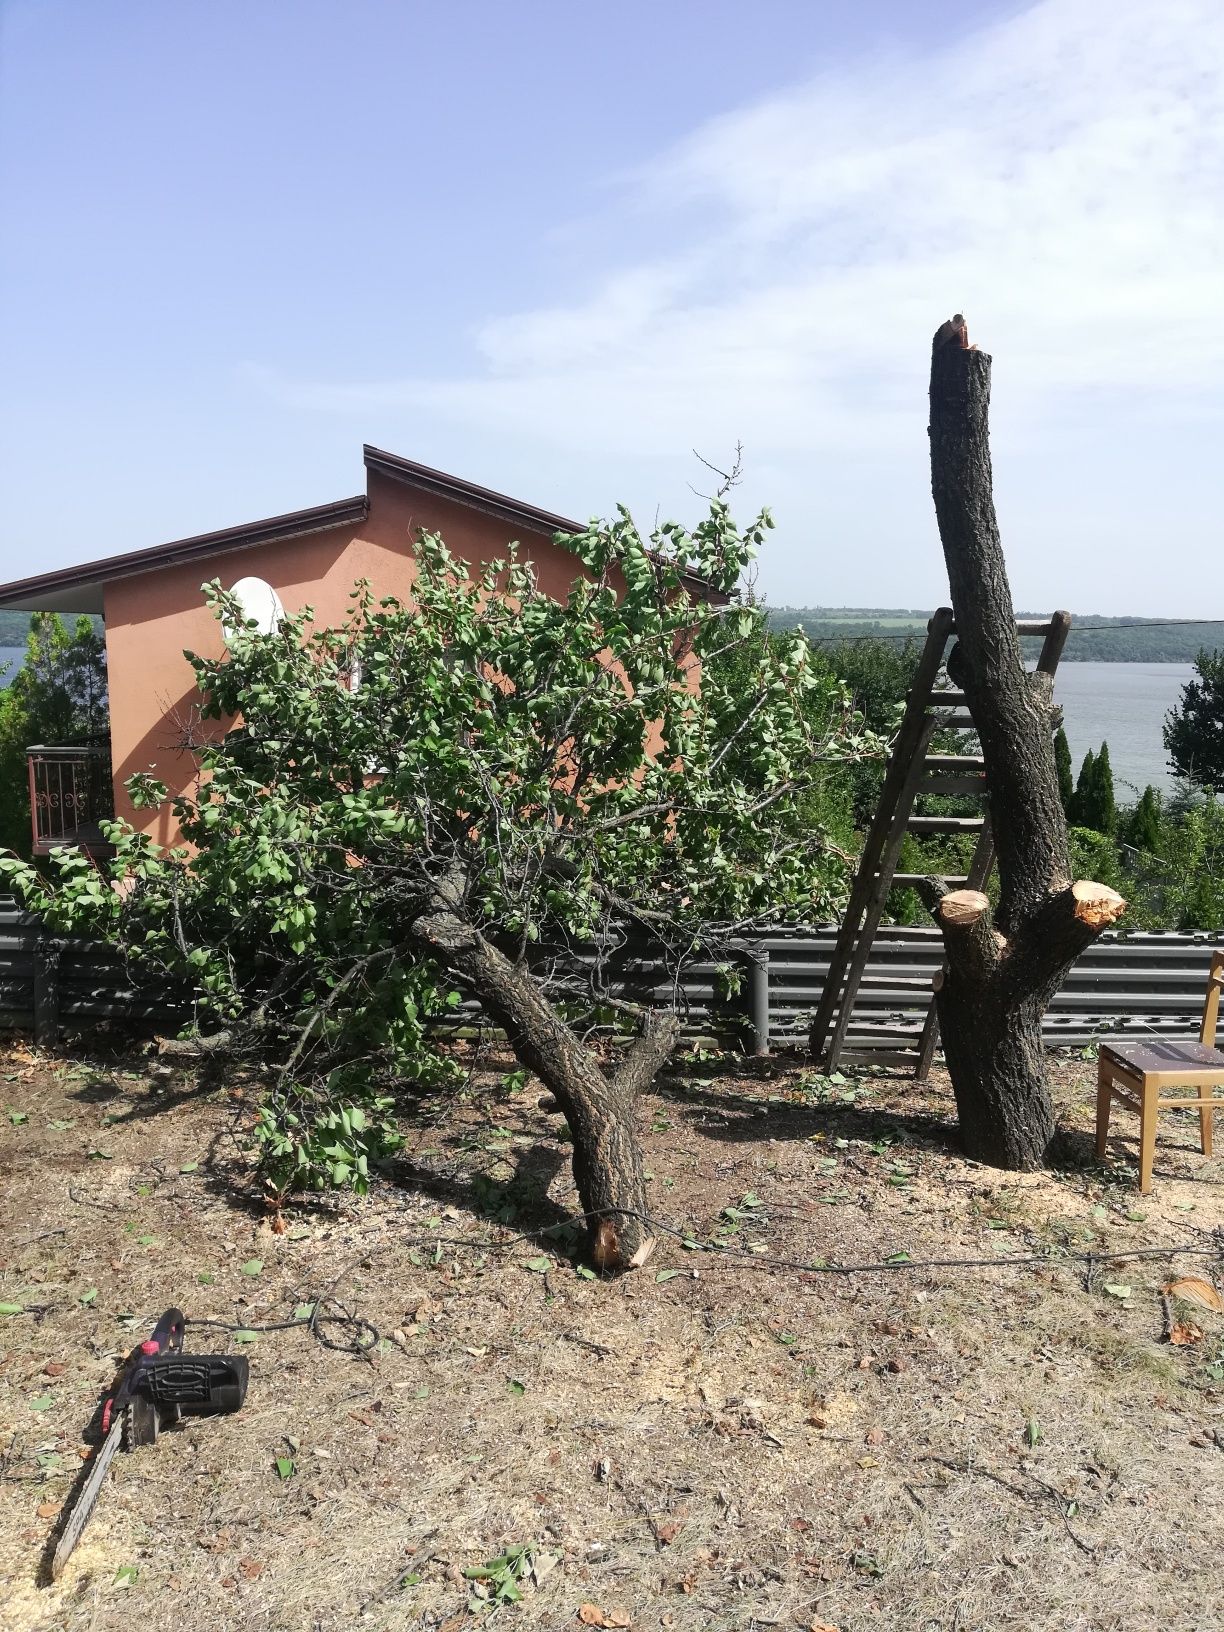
(1143, 824)
(1081, 799)
(1104, 805)
(1066, 776)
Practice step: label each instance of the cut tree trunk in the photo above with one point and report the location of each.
(1002, 969)
(601, 1109)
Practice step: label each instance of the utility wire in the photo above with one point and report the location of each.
(917, 632)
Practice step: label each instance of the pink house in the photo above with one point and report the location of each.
(152, 607)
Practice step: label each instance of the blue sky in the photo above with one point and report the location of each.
(553, 247)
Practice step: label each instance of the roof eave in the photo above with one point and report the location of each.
(484, 499)
(80, 588)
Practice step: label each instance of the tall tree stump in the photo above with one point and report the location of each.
(1003, 969)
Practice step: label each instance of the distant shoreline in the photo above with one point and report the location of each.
(1093, 638)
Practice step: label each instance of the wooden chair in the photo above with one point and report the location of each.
(1136, 1073)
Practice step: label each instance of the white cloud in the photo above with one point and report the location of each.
(1058, 176)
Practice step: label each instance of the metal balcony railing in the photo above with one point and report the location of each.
(70, 793)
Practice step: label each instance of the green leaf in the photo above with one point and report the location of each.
(303, 1311)
(18, 1117)
(253, 1266)
(538, 1266)
(286, 1467)
(88, 1297)
(97, 1155)
(62, 1122)
(43, 1402)
(515, 1387)
(1117, 1290)
(12, 1308)
(1032, 1432)
(245, 1335)
(585, 1273)
(189, 1167)
(666, 1275)
(206, 1278)
(126, 1576)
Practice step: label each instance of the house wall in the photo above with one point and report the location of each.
(152, 618)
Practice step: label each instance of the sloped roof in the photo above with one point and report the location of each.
(80, 588)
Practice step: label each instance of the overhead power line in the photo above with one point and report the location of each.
(1085, 629)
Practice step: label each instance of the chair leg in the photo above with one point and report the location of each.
(1147, 1136)
(1104, 1102)
(1205, 1115)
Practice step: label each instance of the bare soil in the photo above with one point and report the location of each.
(731, 1438)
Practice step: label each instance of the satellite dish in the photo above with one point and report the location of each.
(260, 604)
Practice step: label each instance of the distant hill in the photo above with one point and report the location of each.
(1094, 638)
(15, 626)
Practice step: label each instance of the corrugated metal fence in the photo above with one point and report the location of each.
(1138, 984)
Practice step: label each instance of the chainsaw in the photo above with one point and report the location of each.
(158, 1385)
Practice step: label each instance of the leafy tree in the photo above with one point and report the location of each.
(1062, 764)
(829, 804)
(878, 673)
(57, 696)
(1194, 732)
(1193, 850)
(515, 794)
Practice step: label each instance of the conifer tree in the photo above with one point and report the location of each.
(1143, 823)
(1081, 799)
(1066, 776)
(1104, 808)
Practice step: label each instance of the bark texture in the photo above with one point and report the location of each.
(601, 1110)
(1002, 971)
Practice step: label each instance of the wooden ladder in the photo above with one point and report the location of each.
(913, 772)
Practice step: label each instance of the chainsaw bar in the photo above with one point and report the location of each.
(86, 1502)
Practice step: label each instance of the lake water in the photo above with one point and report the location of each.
(1123, 704)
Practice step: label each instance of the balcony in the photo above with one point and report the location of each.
(70, 793)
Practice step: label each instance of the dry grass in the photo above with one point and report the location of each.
(711, 1443)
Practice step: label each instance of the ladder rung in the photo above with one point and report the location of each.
(1024, 626)
(877, 1056)
(952, 784)
(892, 983)
(943, 699)
(954, 762)
(902, 880)
(946, 824)
(958, 722)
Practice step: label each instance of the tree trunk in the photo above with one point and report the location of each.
(601, 1110)
(1002, 972)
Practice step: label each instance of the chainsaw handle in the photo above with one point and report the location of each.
(167, 1338)
(167, 1334)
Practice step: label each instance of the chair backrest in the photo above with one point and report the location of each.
(1211, 1008)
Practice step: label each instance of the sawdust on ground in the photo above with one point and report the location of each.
(728, 1439)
